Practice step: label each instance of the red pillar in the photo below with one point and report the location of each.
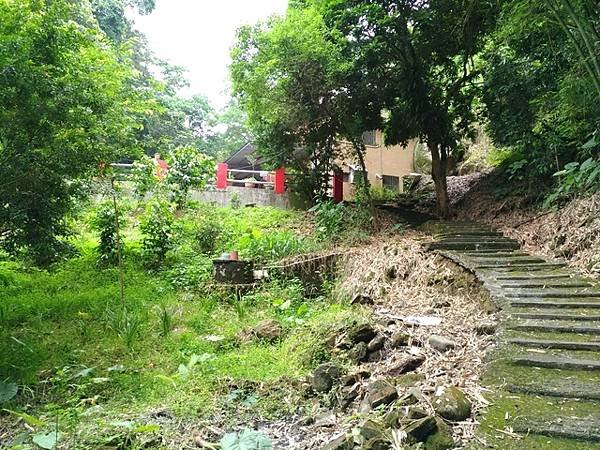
(222, 176)
(338, 187)
(280, 180)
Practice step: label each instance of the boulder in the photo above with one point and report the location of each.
(268, 330)
(348, 395)
(381, 392)
(419, 430)
(442, 439)
(405, 365)
(358, 353)
(453, 405)
(399, 339)
(324, 377)
(441, 343)
(375, 356)
(486, 329)
(376, 343)
(363, 332)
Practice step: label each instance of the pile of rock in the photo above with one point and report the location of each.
(391, 410)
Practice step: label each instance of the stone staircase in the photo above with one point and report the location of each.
(544, 376)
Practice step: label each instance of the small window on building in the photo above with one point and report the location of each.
(390, 182)
(346, 177)
(370, 138)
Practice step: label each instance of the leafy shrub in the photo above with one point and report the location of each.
(105, 222)
(190, 273)
(157, 226)
(207, 235)
(143, 177)
(576, 178)
(235, 201)
(270, 245)
(187, 168)
(383, 194)
(329, 218)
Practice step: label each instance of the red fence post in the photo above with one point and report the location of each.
(338, 187)
(280, 180)
(222, 176)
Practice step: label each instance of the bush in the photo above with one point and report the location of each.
(207, 236)
(383, 194)
(157, 226)
(329, 217)
(187, 168)
(105, 223)
(270, 246)
(575, 179)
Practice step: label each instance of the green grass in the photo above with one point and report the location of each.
(79, 359)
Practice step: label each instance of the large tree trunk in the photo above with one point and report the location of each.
(439, 167)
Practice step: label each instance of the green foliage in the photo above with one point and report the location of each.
(143, 176)
(383, 194)
(7, 391)
(105, 222)
(575, 179)
(207, 236)
(330, 219)
(270, 246)
(157, 227)
(245, 440)
(187, 168)
(165, 317)
(540, 91)
(66, 107)
(235, 201)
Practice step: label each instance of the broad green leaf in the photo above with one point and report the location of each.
(29, 420)
(47, 441)
(146, 429)
(246, 440)
(7, 391)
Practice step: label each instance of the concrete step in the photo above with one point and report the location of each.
(554, 344)
(493, 253)
(534, 277)
(521, 267)
(466, 245)
(544, 284)
(555, 293)
(467, 233)
(556, 362)
(552, 327)
(556, 316)
(576, 428)
(564, 388)
(555, 304)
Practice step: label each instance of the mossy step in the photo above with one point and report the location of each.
(478, 233)
(560, 345)
(556, 362)
(558, 388)
(555, 304)
(544, 284)
(556, 316)
(506, 261)
(534, 276)
(465, 245)
(576, 428)
(490, 253)
(553, 328)
(553, 293)
(519, 267)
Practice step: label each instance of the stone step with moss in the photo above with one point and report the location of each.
(587, 316)
(544, 284)
(555, 344)
(555, 293)
(560, 303)
(554, 327)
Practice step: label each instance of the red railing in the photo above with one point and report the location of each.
(276, 179)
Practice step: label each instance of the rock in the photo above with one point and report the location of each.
(412, 397)
(268, 330)
(326, 419)
(361, 333)
(325, 376)
(358, 353)
(362, 299)
(419, 430)
(343, 442)
(391, 273)
(371, 430)
(442, 439)
(348, 395)
(375, 356)
(453, 405)
(355, 377)
(416, 413)
(441, 343)
(406, 364)
(399, 339)
(381, 392)
(376, 343)
(486, 329)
